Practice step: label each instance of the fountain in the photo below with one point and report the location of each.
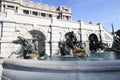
(98, 66)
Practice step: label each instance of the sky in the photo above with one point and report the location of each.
(106, 12)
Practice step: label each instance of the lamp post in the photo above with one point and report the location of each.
(113, 32)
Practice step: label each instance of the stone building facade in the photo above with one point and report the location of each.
(23, 18)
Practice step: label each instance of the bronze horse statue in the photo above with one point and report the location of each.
(28, 48)
(71, 43)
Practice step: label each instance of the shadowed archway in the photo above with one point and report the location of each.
(93, 41)
(40, 41)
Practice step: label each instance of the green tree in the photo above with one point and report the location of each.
(117, 33)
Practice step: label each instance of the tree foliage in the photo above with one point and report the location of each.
(117, 33)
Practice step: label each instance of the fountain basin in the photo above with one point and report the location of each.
(20, 69)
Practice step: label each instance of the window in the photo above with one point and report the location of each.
(4, 7)
(9, 6)
(43, 14)
(66, 10)
(25, 11)
(66, 17)
(35, 13)
(50, 15)
(58, 17)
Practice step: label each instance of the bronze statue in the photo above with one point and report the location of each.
(73, 44)
(27, 47)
